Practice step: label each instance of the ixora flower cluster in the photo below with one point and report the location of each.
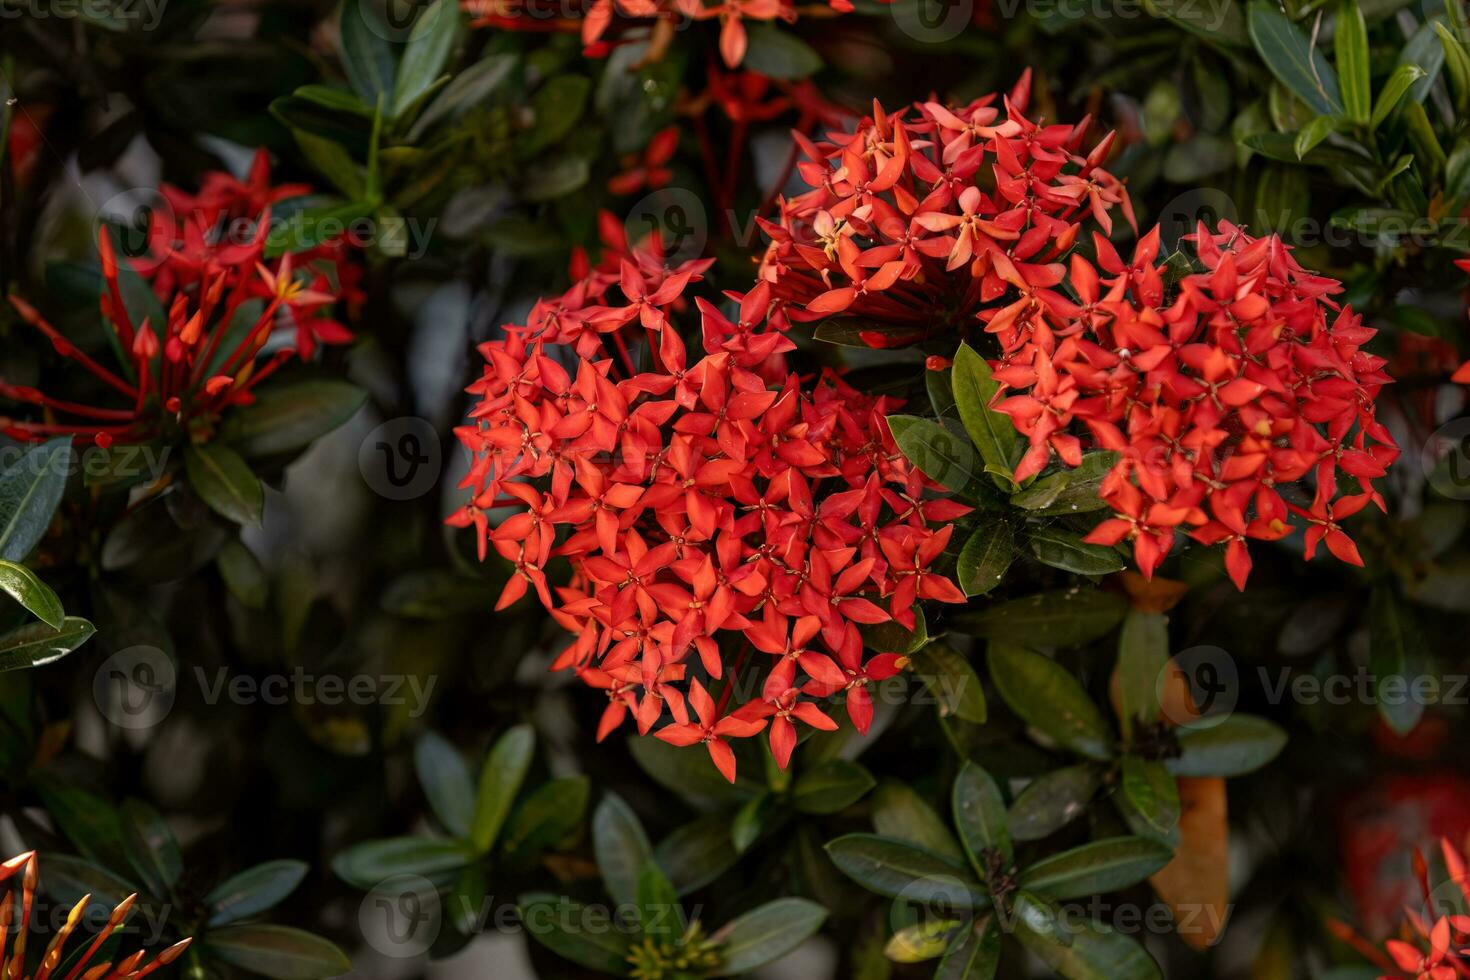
(1434, 941)
(1250, 379)
(710, 507)
(603, 24)
(191, 345)
(51, 961)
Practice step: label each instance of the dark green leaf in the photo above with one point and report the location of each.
(224, 481)
(766, 933)
(993, 433)
(952, 681)
(697, 853)
(777, 53)
(557, 106)
(29, 494)
(1079, 950)
(151, 848)
(69, 878)
(1068, 491)
(279, 952)
(1047, 697)
(254, 891)
(22, 585)
(1289, 54)
(1067, 551)
(1397, 655)
(980, 816)
(426, 52)
(243, 575)
(1152, 792)
(688, 775)
(1350, 41)
(369, 864)
(901, 870)
(1061, 617)
(901, 814)
(585, 935)
(367, 57)
(500, 781)
(1233, 747)
(35, 644)
(946, 458)
(983, 560)
(1050, 802)
(977, 956)
(446, 781)
(549, 815)
(284, 420)
(621, 847)
(658, 904)
(1143, 657)
(465, 90)
(1095, 868)
(830, 787)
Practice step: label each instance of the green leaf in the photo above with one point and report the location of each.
(1047, 697)
(369, 864)
(952, 681)
(1397, 654)
(1050, 802)
(68, 878)
(893, 637)
(1152, 792)
(980, 816)
(279, 952)
(983, 561)
(1059, 617)
(1079, 950)
(1393, 91)
(924, 940)
(557, 177)
(1067, 551)
(694, 855)
(943, 456)
(1456, 64)
(1218, 23)
(777, 53)
(556, 105)
(1095, 868)
(254, 891)
(1143, 656)
(243, 575)
(36, 596)
(688, 775)
(621, 847)
(977, 957)
(1069, 491)
(585, 935)
(225, 482)
(766, 933)
(831, 787)
(287, 419)
(367, 57)
(1233, 747)
(29, 494)
(446, 782)
(863, 333)
(1290, 56)
(1350, 41)
(901, 814)
(752, 820)
(426, 53)
(35, 644)
(658, 904)
(1314, 133)
(500, 781)
(993, 433)
(549, 815)
(465, 90)
(900, 870)
(325, 114)
(151, 848)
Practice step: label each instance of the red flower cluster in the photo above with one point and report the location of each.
(1251, 379)
(1435, 941)
(636, 20)
(922, 224)
(221, 302)
(705, 507)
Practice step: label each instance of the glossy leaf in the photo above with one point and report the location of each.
(902, 814)
(1238, 745)
(976, 956)
(288, 418)
(1047, 697)
(902, 870)
(1350, 41)
(36, 644)
(766, 933)
(254, 891)
(446, 781)
(426, 53)
(1096, 868)
(1051, 801)
(1289, 54)
(369, 864)
(500, 781)
(224, 481)
(545, 817)
(583, 934)
(22, 585)
(1061, 617)
(1079, 949)
(830, 787)
(951, 681)
(30, 491)
(1152, 792)
(279, 952)
(993, 433)
(983, 561)
(621, 847)
(1067, 551)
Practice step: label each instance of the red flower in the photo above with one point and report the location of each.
(221, 304)
(708, 511)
